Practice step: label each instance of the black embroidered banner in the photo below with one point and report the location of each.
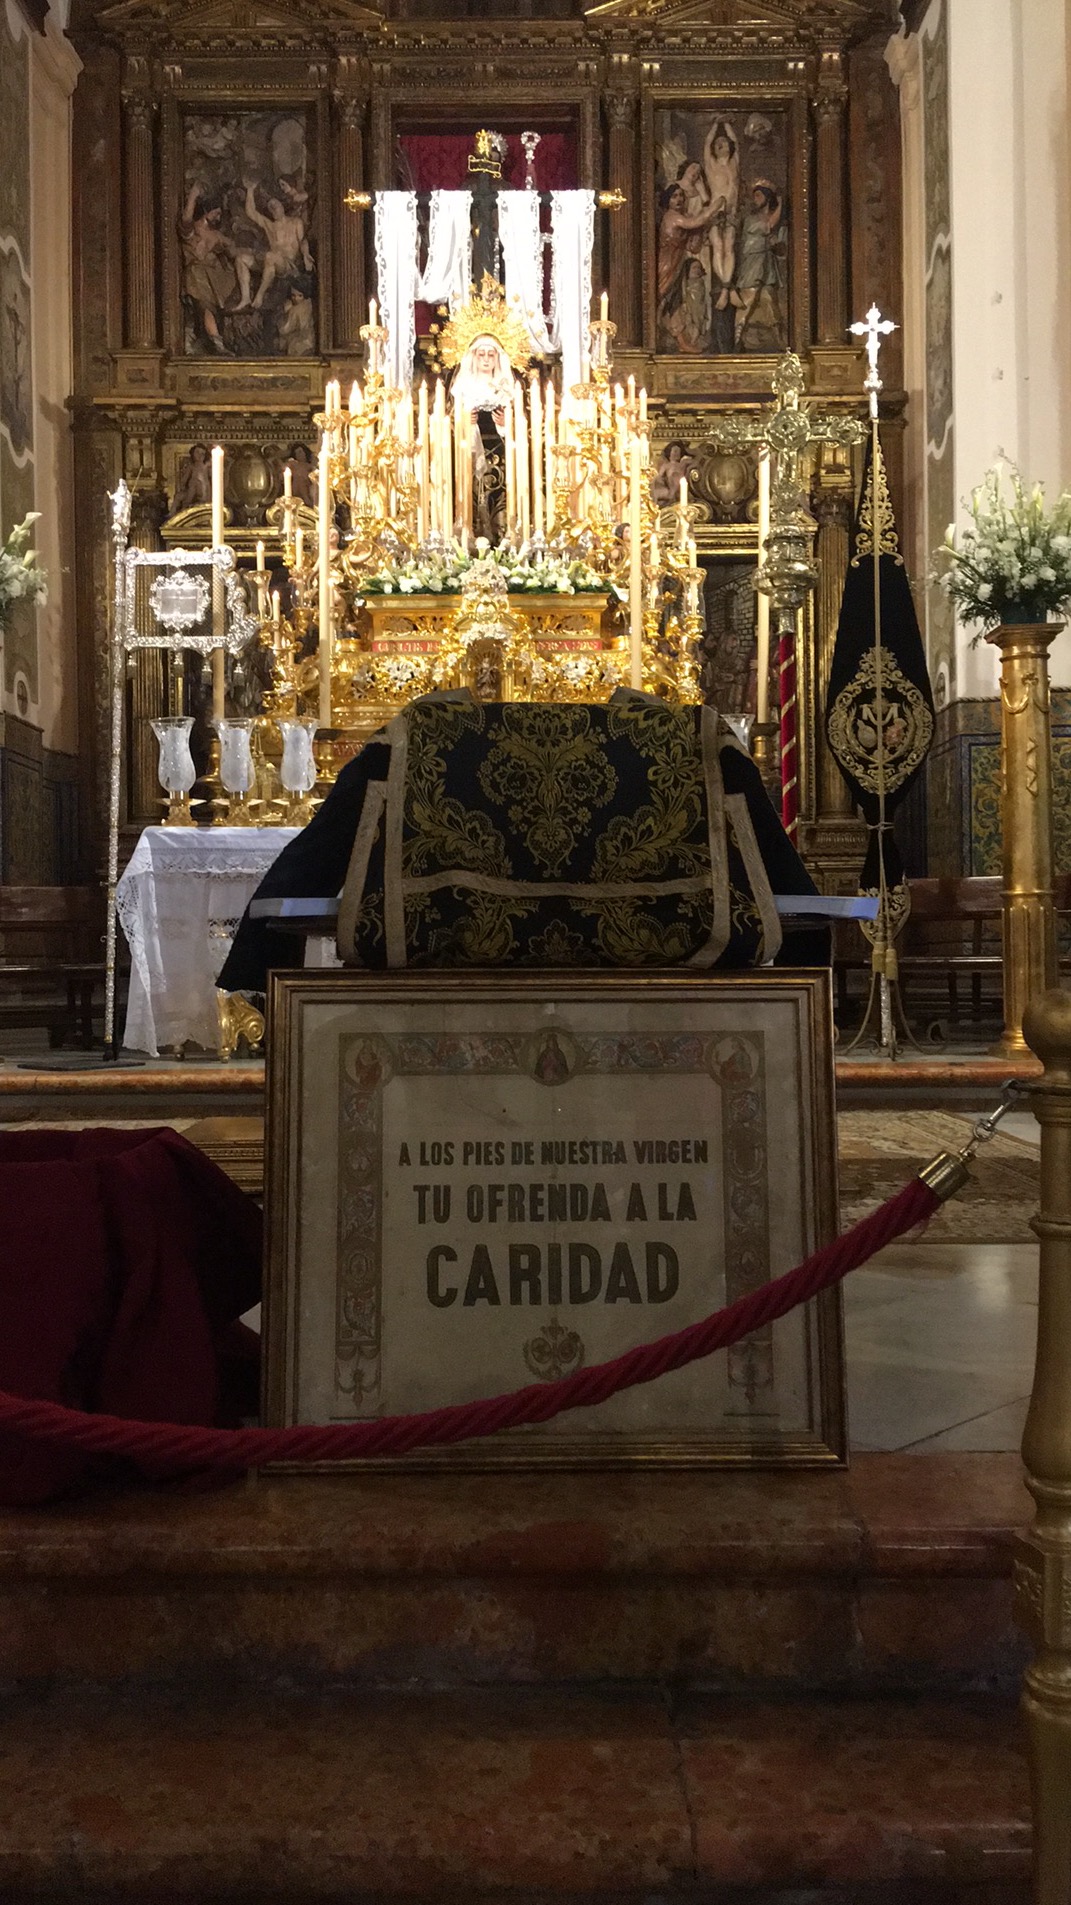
(851, 705)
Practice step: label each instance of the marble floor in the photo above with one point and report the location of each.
(939, 1341)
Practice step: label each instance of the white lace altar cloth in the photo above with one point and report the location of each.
(179, 902)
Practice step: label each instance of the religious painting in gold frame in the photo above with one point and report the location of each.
(244, 274)
(480, 1181)
(726, 218)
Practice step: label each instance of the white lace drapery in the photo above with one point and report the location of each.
(522, 261)
(447, 274)
(398, 276)
(573, 231)
(179, 902)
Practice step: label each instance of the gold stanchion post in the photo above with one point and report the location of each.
(1029, 925)
(1043, 1559)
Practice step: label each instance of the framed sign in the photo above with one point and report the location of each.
(476, 1182)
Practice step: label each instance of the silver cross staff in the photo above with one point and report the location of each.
(873, 328)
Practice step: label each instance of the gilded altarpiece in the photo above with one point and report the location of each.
(221, 280)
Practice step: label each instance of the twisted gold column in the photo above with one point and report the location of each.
(1029, 925)
(1043, 1559)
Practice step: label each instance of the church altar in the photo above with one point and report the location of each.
(179, 900)
(561, 648)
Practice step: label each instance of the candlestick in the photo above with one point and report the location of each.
(635, 567)
(219, 678)
(326, 655)
(762, 602)
(511, 474)
(535, 407)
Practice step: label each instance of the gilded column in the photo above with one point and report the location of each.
(1029, 925)
(830, 103)
(139, 209)
(350, 301)
(623, 282)
(1042, 1571)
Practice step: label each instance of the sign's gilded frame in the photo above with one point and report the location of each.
(325, 1140)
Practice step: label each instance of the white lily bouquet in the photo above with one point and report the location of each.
(21, 579)
(1013, 564)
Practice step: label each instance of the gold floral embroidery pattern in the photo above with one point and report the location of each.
(440, 831)
(548, 770)
(853, 724)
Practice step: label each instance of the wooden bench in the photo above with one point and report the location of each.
(48, 972)
(953, 932)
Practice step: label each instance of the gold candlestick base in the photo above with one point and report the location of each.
(766, 755)
(178, 812)
(239, 812)
(299, 810)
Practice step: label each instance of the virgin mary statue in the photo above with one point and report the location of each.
(482, 396)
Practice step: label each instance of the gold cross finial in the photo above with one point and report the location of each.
(873, 328)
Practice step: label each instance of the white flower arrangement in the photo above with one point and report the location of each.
(21, 579)
(1014, 562)
(525, 570)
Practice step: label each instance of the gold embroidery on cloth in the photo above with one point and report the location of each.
(853, 724)
(889, 542)
(552, 764)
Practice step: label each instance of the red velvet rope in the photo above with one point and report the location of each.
(168, 1448)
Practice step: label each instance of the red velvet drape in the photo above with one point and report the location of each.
(125, 1257)
(438, 161)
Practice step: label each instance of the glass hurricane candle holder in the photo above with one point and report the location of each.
(176, 769)
(298, 768)
(236, 770)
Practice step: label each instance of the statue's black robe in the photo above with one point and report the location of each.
(314, 866)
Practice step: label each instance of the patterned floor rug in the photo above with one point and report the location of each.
(879, 1150)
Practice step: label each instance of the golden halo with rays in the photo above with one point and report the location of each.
(485, 315)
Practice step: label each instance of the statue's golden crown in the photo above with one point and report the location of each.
(485, 315)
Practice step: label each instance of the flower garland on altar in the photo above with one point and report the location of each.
(443, 572)
(21, 577)
(1013, 564)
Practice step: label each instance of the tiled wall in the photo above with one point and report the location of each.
(963, 787)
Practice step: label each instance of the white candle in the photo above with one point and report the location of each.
(288, 483)
(326, 596)
(355, 398)
(762, 602)
(535, 406)
(635, 566)
(219, 678)
(511, 473)
(549, 440)
(604, 307)
(423, 464)
(260, 558)
(682, 515)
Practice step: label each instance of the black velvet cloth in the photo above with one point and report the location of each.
(315, 864)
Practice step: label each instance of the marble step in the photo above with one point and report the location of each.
(895, 1574)
(506, 1795)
